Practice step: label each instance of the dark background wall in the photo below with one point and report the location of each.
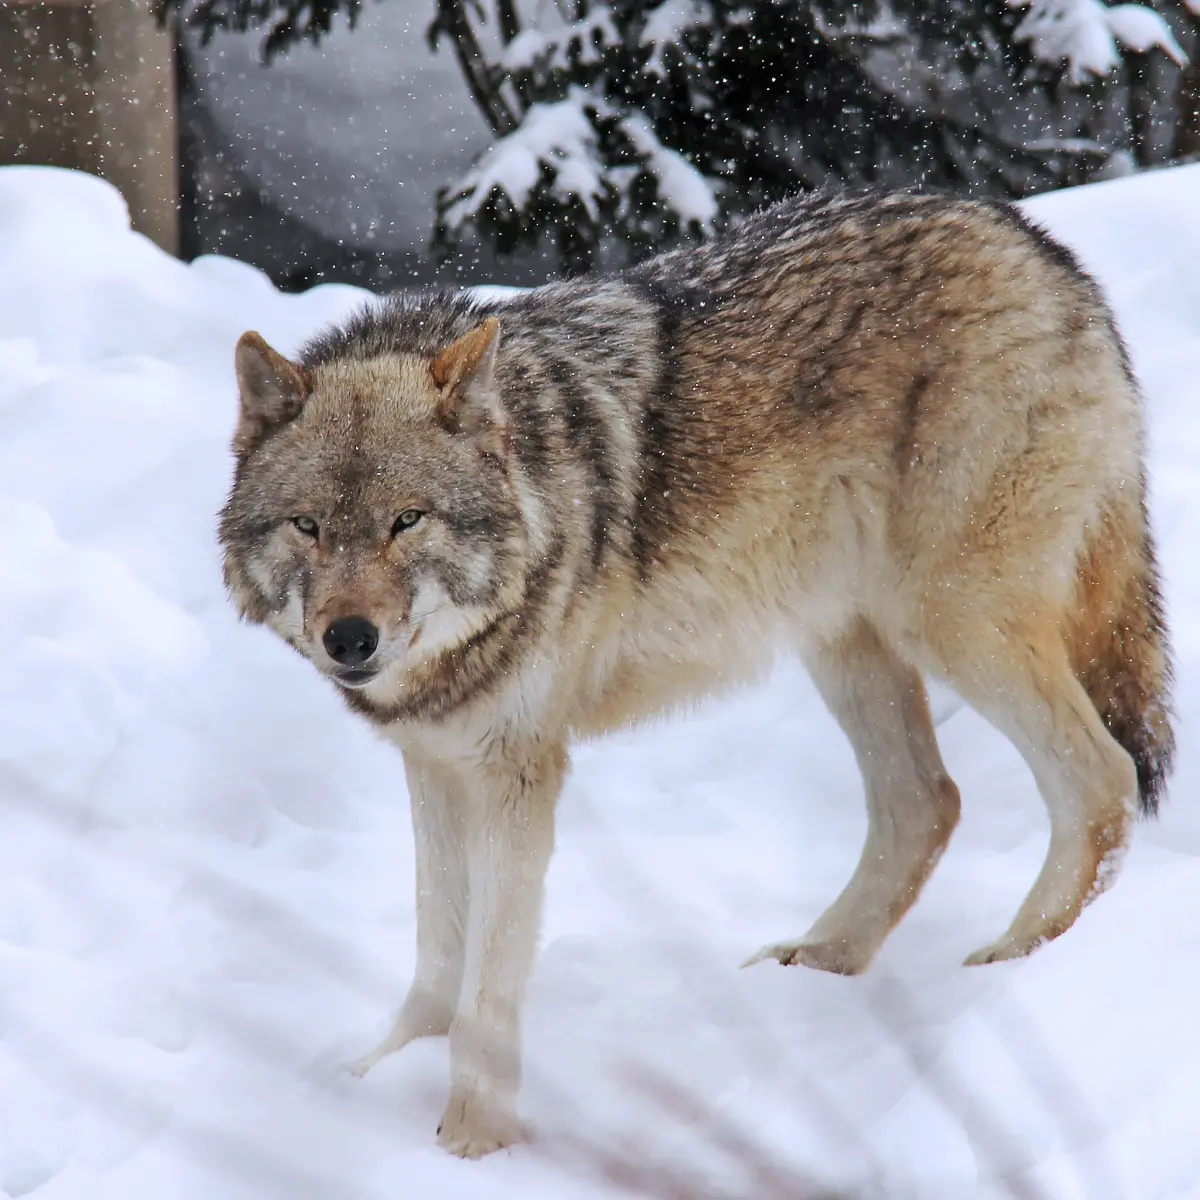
(325, 165)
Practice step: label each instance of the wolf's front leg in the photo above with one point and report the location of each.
(509, 840)
(439, 830)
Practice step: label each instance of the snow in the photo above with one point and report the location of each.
(1084, 34)
(552, 44)
(680, 186)
(559, 135)
(670, 21)
(666, 26)
(206, 872)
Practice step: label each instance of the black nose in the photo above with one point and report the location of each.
(351, 641)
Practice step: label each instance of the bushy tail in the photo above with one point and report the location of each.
(1118, 642)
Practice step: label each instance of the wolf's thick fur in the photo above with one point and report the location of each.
(893, 434)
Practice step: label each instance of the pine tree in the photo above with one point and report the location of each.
(637, 123)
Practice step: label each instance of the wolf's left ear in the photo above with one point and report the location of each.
(465, 376)
(273, 389)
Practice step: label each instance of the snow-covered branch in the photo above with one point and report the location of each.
(681, 188)
(1084, 34)
(557, 136)
(642, 121)
(550, 45)
(561, 140)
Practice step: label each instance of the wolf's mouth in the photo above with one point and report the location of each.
(356, 677)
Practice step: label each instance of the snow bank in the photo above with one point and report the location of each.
(206, 872)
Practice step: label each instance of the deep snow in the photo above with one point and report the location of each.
(206, 869)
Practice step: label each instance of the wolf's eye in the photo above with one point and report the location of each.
(406, 520)
(306, 525)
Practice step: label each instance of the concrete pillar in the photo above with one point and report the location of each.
(90, 84)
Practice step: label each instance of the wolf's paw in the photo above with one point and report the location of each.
(472, 1127)
(834, 956)
(1003, 949)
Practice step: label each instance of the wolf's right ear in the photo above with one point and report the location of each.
(465, 376)
(273, 390)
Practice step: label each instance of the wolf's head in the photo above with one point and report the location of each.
(373, 522)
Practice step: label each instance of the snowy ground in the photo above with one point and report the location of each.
(206, 867)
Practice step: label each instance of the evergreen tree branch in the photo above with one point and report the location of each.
(452, 20)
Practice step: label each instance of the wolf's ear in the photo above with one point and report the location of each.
(465, 376)
(272, 388)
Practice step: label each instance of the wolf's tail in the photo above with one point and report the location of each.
(1118, 642)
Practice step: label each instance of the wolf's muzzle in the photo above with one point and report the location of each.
(356, 677)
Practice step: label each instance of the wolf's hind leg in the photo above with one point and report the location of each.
(1021, 680)
(439, 834)
(912, 804)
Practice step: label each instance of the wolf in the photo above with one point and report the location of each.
(897, 435)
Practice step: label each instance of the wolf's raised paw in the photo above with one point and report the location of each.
(395, 1041)
(421, 1017)
(832, 956)
(471, 1128)
(358, 1067)
(392, 1044)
